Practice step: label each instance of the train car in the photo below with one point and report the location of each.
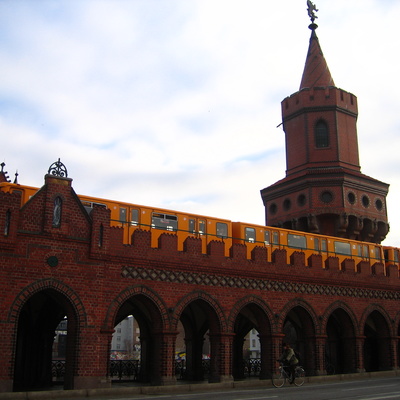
(132, 216)
(26, 191)
(392, 256)
(158, 220)
(309, 243)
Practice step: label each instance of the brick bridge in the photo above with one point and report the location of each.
(50, 272)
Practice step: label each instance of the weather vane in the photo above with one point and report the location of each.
(312, 9)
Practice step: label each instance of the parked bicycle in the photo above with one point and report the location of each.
(283, 374)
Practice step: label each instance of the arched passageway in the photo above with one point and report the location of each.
(37, 323)
(377, 349)
(340, 349)
(149, 321)
(201, 328)
(251, 317)
(299, 331)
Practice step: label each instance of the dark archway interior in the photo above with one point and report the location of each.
(340, 351)
(149, 321)
(200, 323)
(251, 317)
(299, 331)
(38, 320)
(377, 343)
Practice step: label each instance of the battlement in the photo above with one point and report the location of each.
(319, 97)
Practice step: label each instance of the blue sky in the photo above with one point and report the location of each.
(175, 103)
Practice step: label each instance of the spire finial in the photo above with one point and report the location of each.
(312, 9)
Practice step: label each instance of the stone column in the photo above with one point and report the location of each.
(360, 340)
(221, 357)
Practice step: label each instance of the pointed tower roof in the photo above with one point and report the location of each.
(316, 72)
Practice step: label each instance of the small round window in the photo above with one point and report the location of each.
(351, 197)
(301, 200)
(379, 204)
(326, 197)
(273, 208)
(365, 201)
(287, 204)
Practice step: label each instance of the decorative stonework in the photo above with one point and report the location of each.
(192, 278)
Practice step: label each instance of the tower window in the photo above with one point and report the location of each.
(321, 135)
(57, 212)
(273, 208)
(351, 197)
(287, 204)
(326, 197)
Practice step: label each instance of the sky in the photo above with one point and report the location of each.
(176, 103)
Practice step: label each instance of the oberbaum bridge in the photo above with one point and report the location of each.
(81, 268)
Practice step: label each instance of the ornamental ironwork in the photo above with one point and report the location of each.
(58, 169)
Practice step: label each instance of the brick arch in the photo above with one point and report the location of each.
(46, 284)
(376, 307)
(336, 306)
(298, 303)
(248, 300)
(130, 292)
(199, 295)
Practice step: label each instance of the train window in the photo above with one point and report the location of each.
(192, 225)
(297, 241)
(396, 256)
(365, 251)
(134, 216)
(122, 214)
(378, 253)
(222, 230)
(202, 227)
(342, 248)
(316, 244)
(323, 245)
(250, 234)
(164, 221)
(266, 237)
(275, 238)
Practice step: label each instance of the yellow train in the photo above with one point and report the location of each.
(158, 220)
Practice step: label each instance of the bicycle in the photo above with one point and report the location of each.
(283, 374)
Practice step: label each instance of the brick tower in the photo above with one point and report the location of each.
(324, 190)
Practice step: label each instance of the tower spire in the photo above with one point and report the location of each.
(316, 72)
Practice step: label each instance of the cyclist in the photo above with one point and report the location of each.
(289, 359)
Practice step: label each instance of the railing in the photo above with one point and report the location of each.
(58, 370)
(124, 370)
(129, 370)
(252, 367)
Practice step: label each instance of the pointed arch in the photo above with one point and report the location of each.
(200, 295)
(332, 308)
(130, 292)
(249, 300)
(44, 284)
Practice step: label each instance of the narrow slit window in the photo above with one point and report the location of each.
(7, 223)
(57, 212)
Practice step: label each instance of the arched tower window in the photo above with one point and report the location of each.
(57, 212)
(321, 135)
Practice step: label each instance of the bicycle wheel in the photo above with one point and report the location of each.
(299, 376)
(278, 379)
